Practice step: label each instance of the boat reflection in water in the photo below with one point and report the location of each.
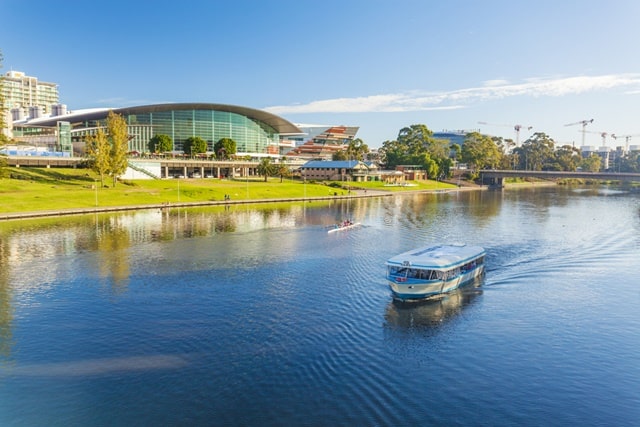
(435, 311)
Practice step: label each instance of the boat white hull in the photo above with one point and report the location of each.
(346, 227)
(408, 291)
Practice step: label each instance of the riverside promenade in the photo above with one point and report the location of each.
(354, 194)
(168, 205)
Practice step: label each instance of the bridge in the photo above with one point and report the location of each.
(495, 178)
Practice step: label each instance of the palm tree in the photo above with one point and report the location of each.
(266, 168)
(282, 170)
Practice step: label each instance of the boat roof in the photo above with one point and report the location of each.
(438, 257)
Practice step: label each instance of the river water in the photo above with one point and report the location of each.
(256, 316)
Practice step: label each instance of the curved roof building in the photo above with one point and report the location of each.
(254, 131)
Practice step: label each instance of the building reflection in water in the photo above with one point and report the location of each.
(432, 312)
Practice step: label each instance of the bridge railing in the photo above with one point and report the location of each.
(605, 176)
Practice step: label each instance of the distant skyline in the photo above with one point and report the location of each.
(376, 64)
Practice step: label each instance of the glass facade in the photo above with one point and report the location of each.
(64, 137)
(454, 137)
(256, 133)
(250, 135)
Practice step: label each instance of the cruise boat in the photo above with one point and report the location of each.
(432, 270)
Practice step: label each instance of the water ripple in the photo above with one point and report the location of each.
(276, 322)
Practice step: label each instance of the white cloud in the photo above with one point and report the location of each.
(496, 82)
(461, 98)
(374, 103)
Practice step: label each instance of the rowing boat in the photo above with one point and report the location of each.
(341, 227)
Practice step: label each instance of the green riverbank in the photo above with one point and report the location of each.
(37, 192)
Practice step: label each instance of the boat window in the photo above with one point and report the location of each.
(424, 275)
(415, 273)
(397, 271)
(473, 264)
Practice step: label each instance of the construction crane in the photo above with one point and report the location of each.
(626, 139)
(584, 124)
(515, 127)
(603, 135)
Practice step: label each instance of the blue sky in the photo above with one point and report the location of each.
(380, 65)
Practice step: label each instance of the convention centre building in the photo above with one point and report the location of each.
(256, 132)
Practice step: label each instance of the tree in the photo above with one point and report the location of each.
(98, 149)
(119, 140)
(415, 139)
(393, 153)
(3, 110)
(340, 155)
(430, 165)
(444, 167)
(480, 151)
(536, 152)
(160, 143)
(282, 170)
(195, 145)
(456, 150)
(591, 163)
(415, 145)
(439, 149)
(3, 166)
(509, 156)
(356, 150)
(224, 148)
(108, 150)
(630, 162)
(3, 138)
(567, 158)
(266, 168)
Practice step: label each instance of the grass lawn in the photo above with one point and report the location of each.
(413, 186)
(38, 189)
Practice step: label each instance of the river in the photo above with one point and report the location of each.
(256, 316)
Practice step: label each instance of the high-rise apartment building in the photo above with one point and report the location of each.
(27, 94)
